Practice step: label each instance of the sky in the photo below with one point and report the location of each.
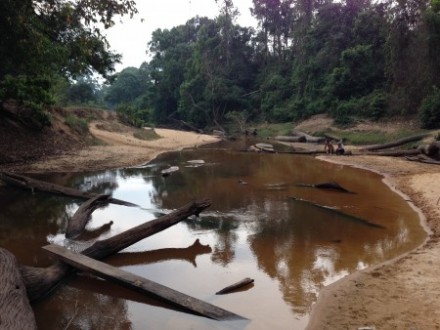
(130, 37)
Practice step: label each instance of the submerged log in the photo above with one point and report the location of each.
(141, 284)
(78, 222)
(34, 184)
(15, 310)
(332, 185)
(398, 142)
(244, 282)
(40, 281)
(326, 185)
(345, 216)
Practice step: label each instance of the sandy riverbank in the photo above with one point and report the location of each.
(401, 294)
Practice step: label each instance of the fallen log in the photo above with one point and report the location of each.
(92, 234)
(15, 310)
(398, 142)
(394, 153)
(309, 138)
(34, 184)
(40, 281)
(141, 284)
(79, 220)
(326, 185)
(285, 138)
(423, 159)
(344, 216)
(244, 282)
(265, 147)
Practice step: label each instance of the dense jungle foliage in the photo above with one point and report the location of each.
(350, 59)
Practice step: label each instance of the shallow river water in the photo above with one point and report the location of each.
(256, 227)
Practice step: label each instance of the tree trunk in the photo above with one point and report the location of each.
(34, 184)
(398, 142)
(394, 153)
(15, 310)
(39, 281)
(81, 217)
(141, 284)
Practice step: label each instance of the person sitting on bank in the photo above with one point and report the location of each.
(328, 147)
(340, 149)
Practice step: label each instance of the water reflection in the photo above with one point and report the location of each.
(256, 229)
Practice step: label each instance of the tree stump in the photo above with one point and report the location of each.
(15, 310)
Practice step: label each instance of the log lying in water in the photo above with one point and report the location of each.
(40, 281)
(326, 185)
(15, 310)
(345, 216)
(141, 284)
(244, 282)
(34, 184)
(78, 222)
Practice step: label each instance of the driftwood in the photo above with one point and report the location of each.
(34, 184)
(141, 284)
(146, 257)
(92, 234)
(326, 185)
(334, 210)
(79, 220)
(285, 138)
(309, 138)
(423, 159)
(40, 281)
(265, 147)
(15, 310)
(168, 171)
(394, 153)
(244, 282)
(399, 142)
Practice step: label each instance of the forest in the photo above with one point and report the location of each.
(349, 59)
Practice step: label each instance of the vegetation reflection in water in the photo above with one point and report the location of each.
(253, 229)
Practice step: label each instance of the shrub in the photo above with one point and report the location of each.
(78, 124)
(429, 110)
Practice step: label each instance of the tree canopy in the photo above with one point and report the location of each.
(350, 59)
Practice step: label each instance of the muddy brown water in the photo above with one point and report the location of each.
(254, 228)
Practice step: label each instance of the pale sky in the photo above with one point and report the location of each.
(130, 38)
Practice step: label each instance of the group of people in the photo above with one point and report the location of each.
(330, 149)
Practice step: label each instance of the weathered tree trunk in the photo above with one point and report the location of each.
(15, 310)
(399, 142)
(394, 153)
(78, 222)
(141, 284)
(39, 281)
(34, 184)
(433, 150)
(309, 138)
(285, 138)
